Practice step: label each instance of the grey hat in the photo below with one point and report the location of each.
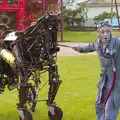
(104, 24)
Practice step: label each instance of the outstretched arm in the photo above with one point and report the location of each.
(83, 48)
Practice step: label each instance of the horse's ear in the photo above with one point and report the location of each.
(58, 14)
(47, 14)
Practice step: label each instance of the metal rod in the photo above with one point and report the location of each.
(64, 46)
(43, 7)
(41, 100)
(32, 44)
(111, 10)
(117, 14)
(61, 20)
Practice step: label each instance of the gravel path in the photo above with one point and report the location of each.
(65, 51)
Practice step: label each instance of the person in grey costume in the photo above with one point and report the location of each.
(108, 50)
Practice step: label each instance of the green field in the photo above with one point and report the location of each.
(76, 95)
(73, 36)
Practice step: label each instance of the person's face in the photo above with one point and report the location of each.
(104, 34)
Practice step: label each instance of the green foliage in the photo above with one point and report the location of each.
(103, 16)
(76, 16)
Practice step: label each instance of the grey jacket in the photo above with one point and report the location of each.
(106, 65)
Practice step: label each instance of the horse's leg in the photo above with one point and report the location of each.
(24, 86)
(23, 97)
(54, 82)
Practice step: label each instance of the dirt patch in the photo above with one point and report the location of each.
(65, 51)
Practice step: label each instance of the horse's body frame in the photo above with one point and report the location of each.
(34, 49)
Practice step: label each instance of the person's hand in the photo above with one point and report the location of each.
(74, 47)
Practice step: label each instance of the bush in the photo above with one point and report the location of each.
(103, 16)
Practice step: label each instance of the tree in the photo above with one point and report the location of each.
(103, 16)
(76, 16)
(81, 15)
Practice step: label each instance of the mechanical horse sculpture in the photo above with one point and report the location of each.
(22, 55)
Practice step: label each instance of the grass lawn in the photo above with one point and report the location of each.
(76, 95)
(73, 36)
